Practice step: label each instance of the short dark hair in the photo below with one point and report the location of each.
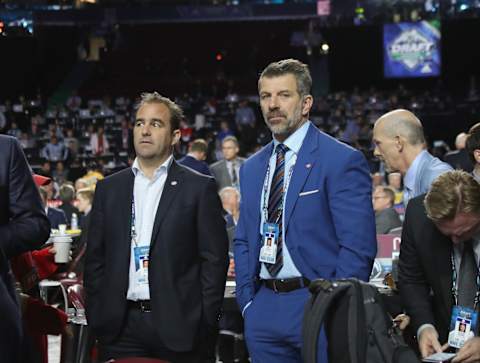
(66, 193)
(294, 67)
(199, 145)
(176, 112)
(473, 141)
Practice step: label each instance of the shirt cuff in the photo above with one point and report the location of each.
(423, 327)
(245, 308)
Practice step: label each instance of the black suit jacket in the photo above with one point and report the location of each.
(23, 227)
(425, 270)
(188, 257)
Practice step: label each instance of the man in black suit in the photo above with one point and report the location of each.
(440, 234)
(171, 217)
(23, 227)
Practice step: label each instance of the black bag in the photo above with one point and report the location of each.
(358, 327)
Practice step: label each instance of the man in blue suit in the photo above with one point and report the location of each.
(305, 213)
(195, 159)
(400, 144)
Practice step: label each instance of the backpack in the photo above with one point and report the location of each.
(357, 324)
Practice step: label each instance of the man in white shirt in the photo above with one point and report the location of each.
(170, 216)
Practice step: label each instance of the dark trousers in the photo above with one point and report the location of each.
(138, 338)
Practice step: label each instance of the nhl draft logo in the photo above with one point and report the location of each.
(411, 48)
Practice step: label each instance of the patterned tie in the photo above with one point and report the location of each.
(467, 276)
(275, 206)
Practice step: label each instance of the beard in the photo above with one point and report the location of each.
(287, 125)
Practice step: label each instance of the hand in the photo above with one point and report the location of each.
(469, 353)
(402, 320)
(428, 342)
(231, 268)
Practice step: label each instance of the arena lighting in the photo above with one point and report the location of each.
(219, 57)
(324, 48)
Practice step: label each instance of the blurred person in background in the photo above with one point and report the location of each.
(67, 196)
(473, 149)
(195, 159)
(459, 158)
(386, 217)
(226, 171)
(55, 216)
(98, 142)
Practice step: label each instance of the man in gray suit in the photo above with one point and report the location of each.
(400, 144)
(386, 217)
(226, 171)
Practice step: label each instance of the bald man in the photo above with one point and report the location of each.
(400, 144)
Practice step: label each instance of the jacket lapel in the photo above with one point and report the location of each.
(172, 185)
(303, 166)
(443, 251)
(127, 211)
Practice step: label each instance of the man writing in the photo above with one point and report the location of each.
(140, 214)
(438, 264)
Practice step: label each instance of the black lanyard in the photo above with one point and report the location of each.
(455, 287)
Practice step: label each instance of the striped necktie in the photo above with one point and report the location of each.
(275, 206)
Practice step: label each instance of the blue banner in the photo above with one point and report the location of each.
(411, 49)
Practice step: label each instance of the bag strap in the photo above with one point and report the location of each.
(324, 293)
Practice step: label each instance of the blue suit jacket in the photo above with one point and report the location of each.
(197, 165)
(329, 219)
(56, 216)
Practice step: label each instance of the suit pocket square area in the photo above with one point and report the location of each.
(302, 194)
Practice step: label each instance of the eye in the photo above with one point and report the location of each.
(156, 124)
(138, 123)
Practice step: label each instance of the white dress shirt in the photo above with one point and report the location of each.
(147, 193)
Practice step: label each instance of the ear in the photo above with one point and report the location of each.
(476, 155)
(307, 104)
(176, 136)
(399, 143)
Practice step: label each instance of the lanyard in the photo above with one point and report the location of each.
(133, 232)
(266, 192)
(455, 287)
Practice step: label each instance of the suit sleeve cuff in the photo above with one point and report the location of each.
(245, 308)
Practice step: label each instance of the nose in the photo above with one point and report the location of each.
(273, 103)
(376, 152)
(145, 129)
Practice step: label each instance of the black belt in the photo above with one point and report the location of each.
(286, 285)
(143, 305)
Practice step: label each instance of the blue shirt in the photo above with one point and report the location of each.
(409, 179)
(294, 143)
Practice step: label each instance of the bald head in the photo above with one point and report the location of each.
(401, 123)
(460, 141)
(398, 138)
